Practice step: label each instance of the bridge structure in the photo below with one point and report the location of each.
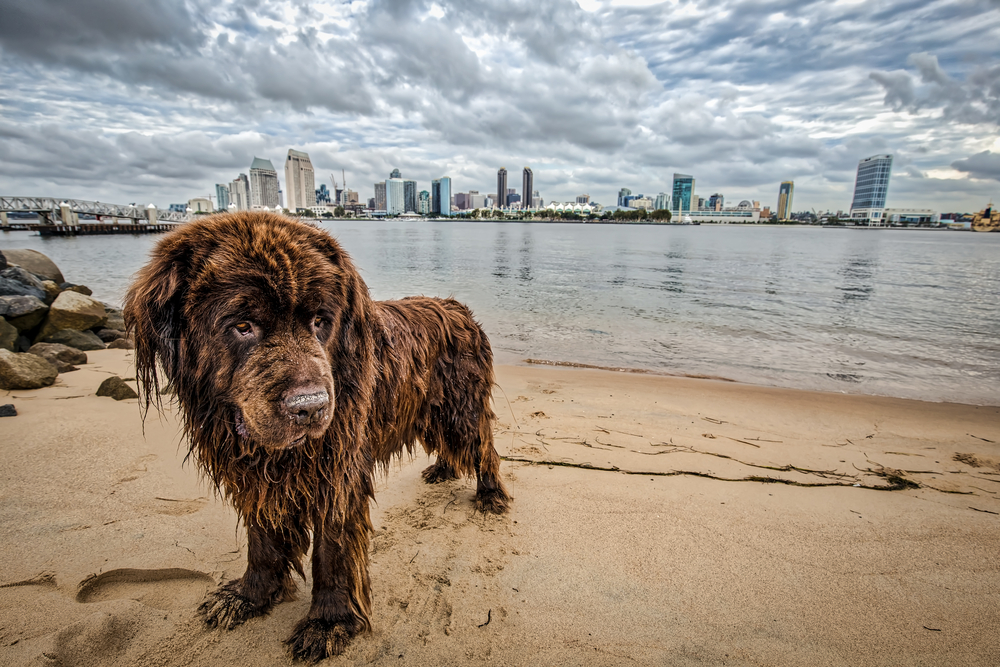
(63, 212)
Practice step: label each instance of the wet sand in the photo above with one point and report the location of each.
(656, 521)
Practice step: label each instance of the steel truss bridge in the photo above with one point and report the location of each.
(49, 209)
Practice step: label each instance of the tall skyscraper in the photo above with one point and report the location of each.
(221, 196)
(441, 196)
(424, 202)
(380, 196)
(622, 195)
(323, 194)
(683, 191)
(263, 184)
(300, 181)
(502, 187)
(785, 192)
(716, 202)
(872, 183)
(410, 196)
(394, 199)
(662, 201)
(527, 187)
(239, 192)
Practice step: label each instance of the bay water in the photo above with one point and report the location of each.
(906, 313)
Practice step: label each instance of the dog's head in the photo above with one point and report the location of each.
(257, 320)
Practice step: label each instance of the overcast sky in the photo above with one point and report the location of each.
(158, 100)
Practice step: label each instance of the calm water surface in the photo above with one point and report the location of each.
(914, 314)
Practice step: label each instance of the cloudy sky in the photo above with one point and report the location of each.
(158, 100)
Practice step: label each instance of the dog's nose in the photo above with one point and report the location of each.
(304, 406)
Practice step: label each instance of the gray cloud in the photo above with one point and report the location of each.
(981, 165)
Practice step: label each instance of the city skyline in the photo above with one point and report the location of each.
(107, 105)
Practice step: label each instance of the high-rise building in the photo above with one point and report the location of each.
(395, 174)
(424, 202)
(872, 183)
(371, 204)
(221, 196)
(583, 199)
(380, 196)
(785, 192)
(527, 187)
(502, 187)
(441, 196)
(300, 181)
(662, 201)
(348, 197)
(682, 194)
(622, 194)
(461, 201)
(410, 196)
(263, 184)
(716, 202)
(239, 192)
(394, 199)
(323, 195)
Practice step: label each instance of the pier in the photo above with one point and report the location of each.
(61, 217)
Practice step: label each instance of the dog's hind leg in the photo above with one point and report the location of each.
(442, 470)
(491, 496)
(272, 556)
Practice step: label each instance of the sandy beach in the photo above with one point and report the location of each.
(656, 520)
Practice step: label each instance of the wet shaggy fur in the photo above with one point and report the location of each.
(294, 385)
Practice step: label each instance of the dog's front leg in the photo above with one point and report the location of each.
(272, 555)
(341, 597)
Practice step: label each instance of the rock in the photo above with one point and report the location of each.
(8, 335)
(51, 291)
(121, 344)
(3, 261)
(108, 335)
(79, 289)
(116, 388)
(11, 285)
(81, 340)
(8, 410)
(25, 371)
(115, 320)
(23, 343)
(75, 311)
(24, 312)
(36, 263)
(61, 356)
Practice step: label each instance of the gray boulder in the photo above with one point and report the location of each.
(108, 335)
(115, 320)
(34, 262)
(81, 340)
(25, 371)
(74, 311)
(15, 281)
(8, 335)
(116, 388)
(8, 410)
(79, 289)
(121, 344)
(24, 312)
(63, 357)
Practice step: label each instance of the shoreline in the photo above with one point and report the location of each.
(656, 520)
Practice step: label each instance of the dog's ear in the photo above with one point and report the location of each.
(153, 316)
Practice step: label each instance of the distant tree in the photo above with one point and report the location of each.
(338, 212)
(661, 214)
(305, 213)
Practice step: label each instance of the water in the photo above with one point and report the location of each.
(913, 314)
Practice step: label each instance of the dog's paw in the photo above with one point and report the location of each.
(315, 638)
(439, 472)
(226, 608)
(493, 501)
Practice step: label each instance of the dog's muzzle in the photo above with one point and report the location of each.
(305, 407)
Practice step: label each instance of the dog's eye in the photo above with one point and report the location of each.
(319, 321)
(243, 328)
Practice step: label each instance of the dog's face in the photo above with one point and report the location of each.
(255, 308)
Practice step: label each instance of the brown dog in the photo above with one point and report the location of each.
(294, 384)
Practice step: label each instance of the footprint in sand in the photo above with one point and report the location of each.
(170, 588)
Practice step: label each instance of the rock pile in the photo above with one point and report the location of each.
(47, 324)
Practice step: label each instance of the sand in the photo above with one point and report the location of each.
(656, 521)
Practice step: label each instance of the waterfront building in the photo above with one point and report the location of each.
(263, 184)
(583, 199)
(501, 187)
(870, 189)
(178, 208)
(424, 202)
(300, 181)
(239, 192)
(348, 198)
(785, 193)
(323, 195)
(394, 199)
(477, 200)
(644, 203)
(683, 191)
(371, 203)
(380, 196)
(571, 207)
(441, 195)
(662, 202)
(527, 187)
(200, 205)
(726, 216)
(622, 195)
(461, 201)
(221, 197)
(716, 202)
(536, 200)
(410, 196)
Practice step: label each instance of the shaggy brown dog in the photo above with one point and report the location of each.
(294, 385)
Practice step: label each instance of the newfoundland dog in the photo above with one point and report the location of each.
(294, 385)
